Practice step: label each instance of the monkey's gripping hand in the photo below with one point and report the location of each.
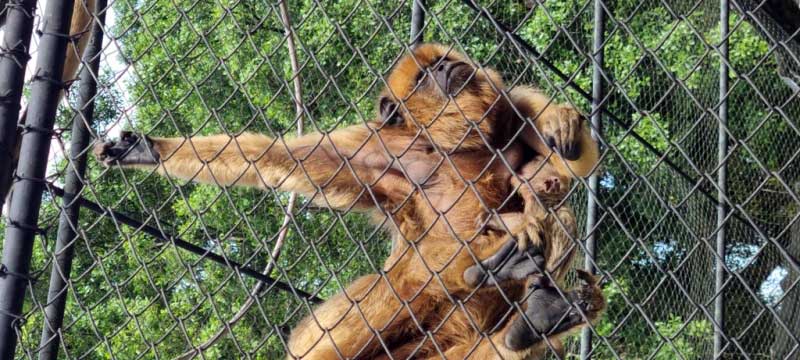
(550, 313)
(509, 263)
(561, 128)
(131, 149)
(527, 228)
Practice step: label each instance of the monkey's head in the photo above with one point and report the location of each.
(442, 91)
(547, 182)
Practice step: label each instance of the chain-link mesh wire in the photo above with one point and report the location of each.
(190, 68)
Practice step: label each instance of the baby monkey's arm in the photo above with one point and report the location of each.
(526, 229)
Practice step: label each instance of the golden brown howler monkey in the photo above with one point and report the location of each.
(431, 164)
(80, 26)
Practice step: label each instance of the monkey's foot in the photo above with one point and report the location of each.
(131, 149)
(509, 263)
(549, 313)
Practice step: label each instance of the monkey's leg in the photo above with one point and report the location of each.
(354, 325)
(561, 242)
(334, 170)
(535, 235)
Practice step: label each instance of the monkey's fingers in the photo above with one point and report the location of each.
(522, 241)
(488, 221)
(550, 130)
(131, 149)
(506, 252)
(563, 130)
(509, 263)
(534, 234)
(565, 126)
(480, 222)
(529, 264)
(475, 274)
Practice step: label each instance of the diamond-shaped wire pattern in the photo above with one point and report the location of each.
(191, 68)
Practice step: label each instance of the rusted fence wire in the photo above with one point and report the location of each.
(691, 219)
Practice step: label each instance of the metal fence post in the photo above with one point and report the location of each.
(23, 215)
(13, 60)
(68, 220)
(722, 151)
(417, 21)
(597, 122)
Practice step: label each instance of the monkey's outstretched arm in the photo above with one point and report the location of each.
(340, 165)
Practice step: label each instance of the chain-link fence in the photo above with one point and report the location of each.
(690, 219)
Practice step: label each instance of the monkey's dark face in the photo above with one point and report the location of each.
(441, 91)
(447, 75)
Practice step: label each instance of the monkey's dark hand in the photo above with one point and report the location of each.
(551, 313)
(131, 149)
(509, 263)
(561, 127)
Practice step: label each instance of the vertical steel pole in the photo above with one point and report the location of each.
(13, 61)
(598, 94)
(722, 173)
(417, 21)
(68, 221)
(23, 215)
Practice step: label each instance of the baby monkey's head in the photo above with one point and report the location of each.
(545, 180)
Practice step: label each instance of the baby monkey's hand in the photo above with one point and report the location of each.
(527, 229)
